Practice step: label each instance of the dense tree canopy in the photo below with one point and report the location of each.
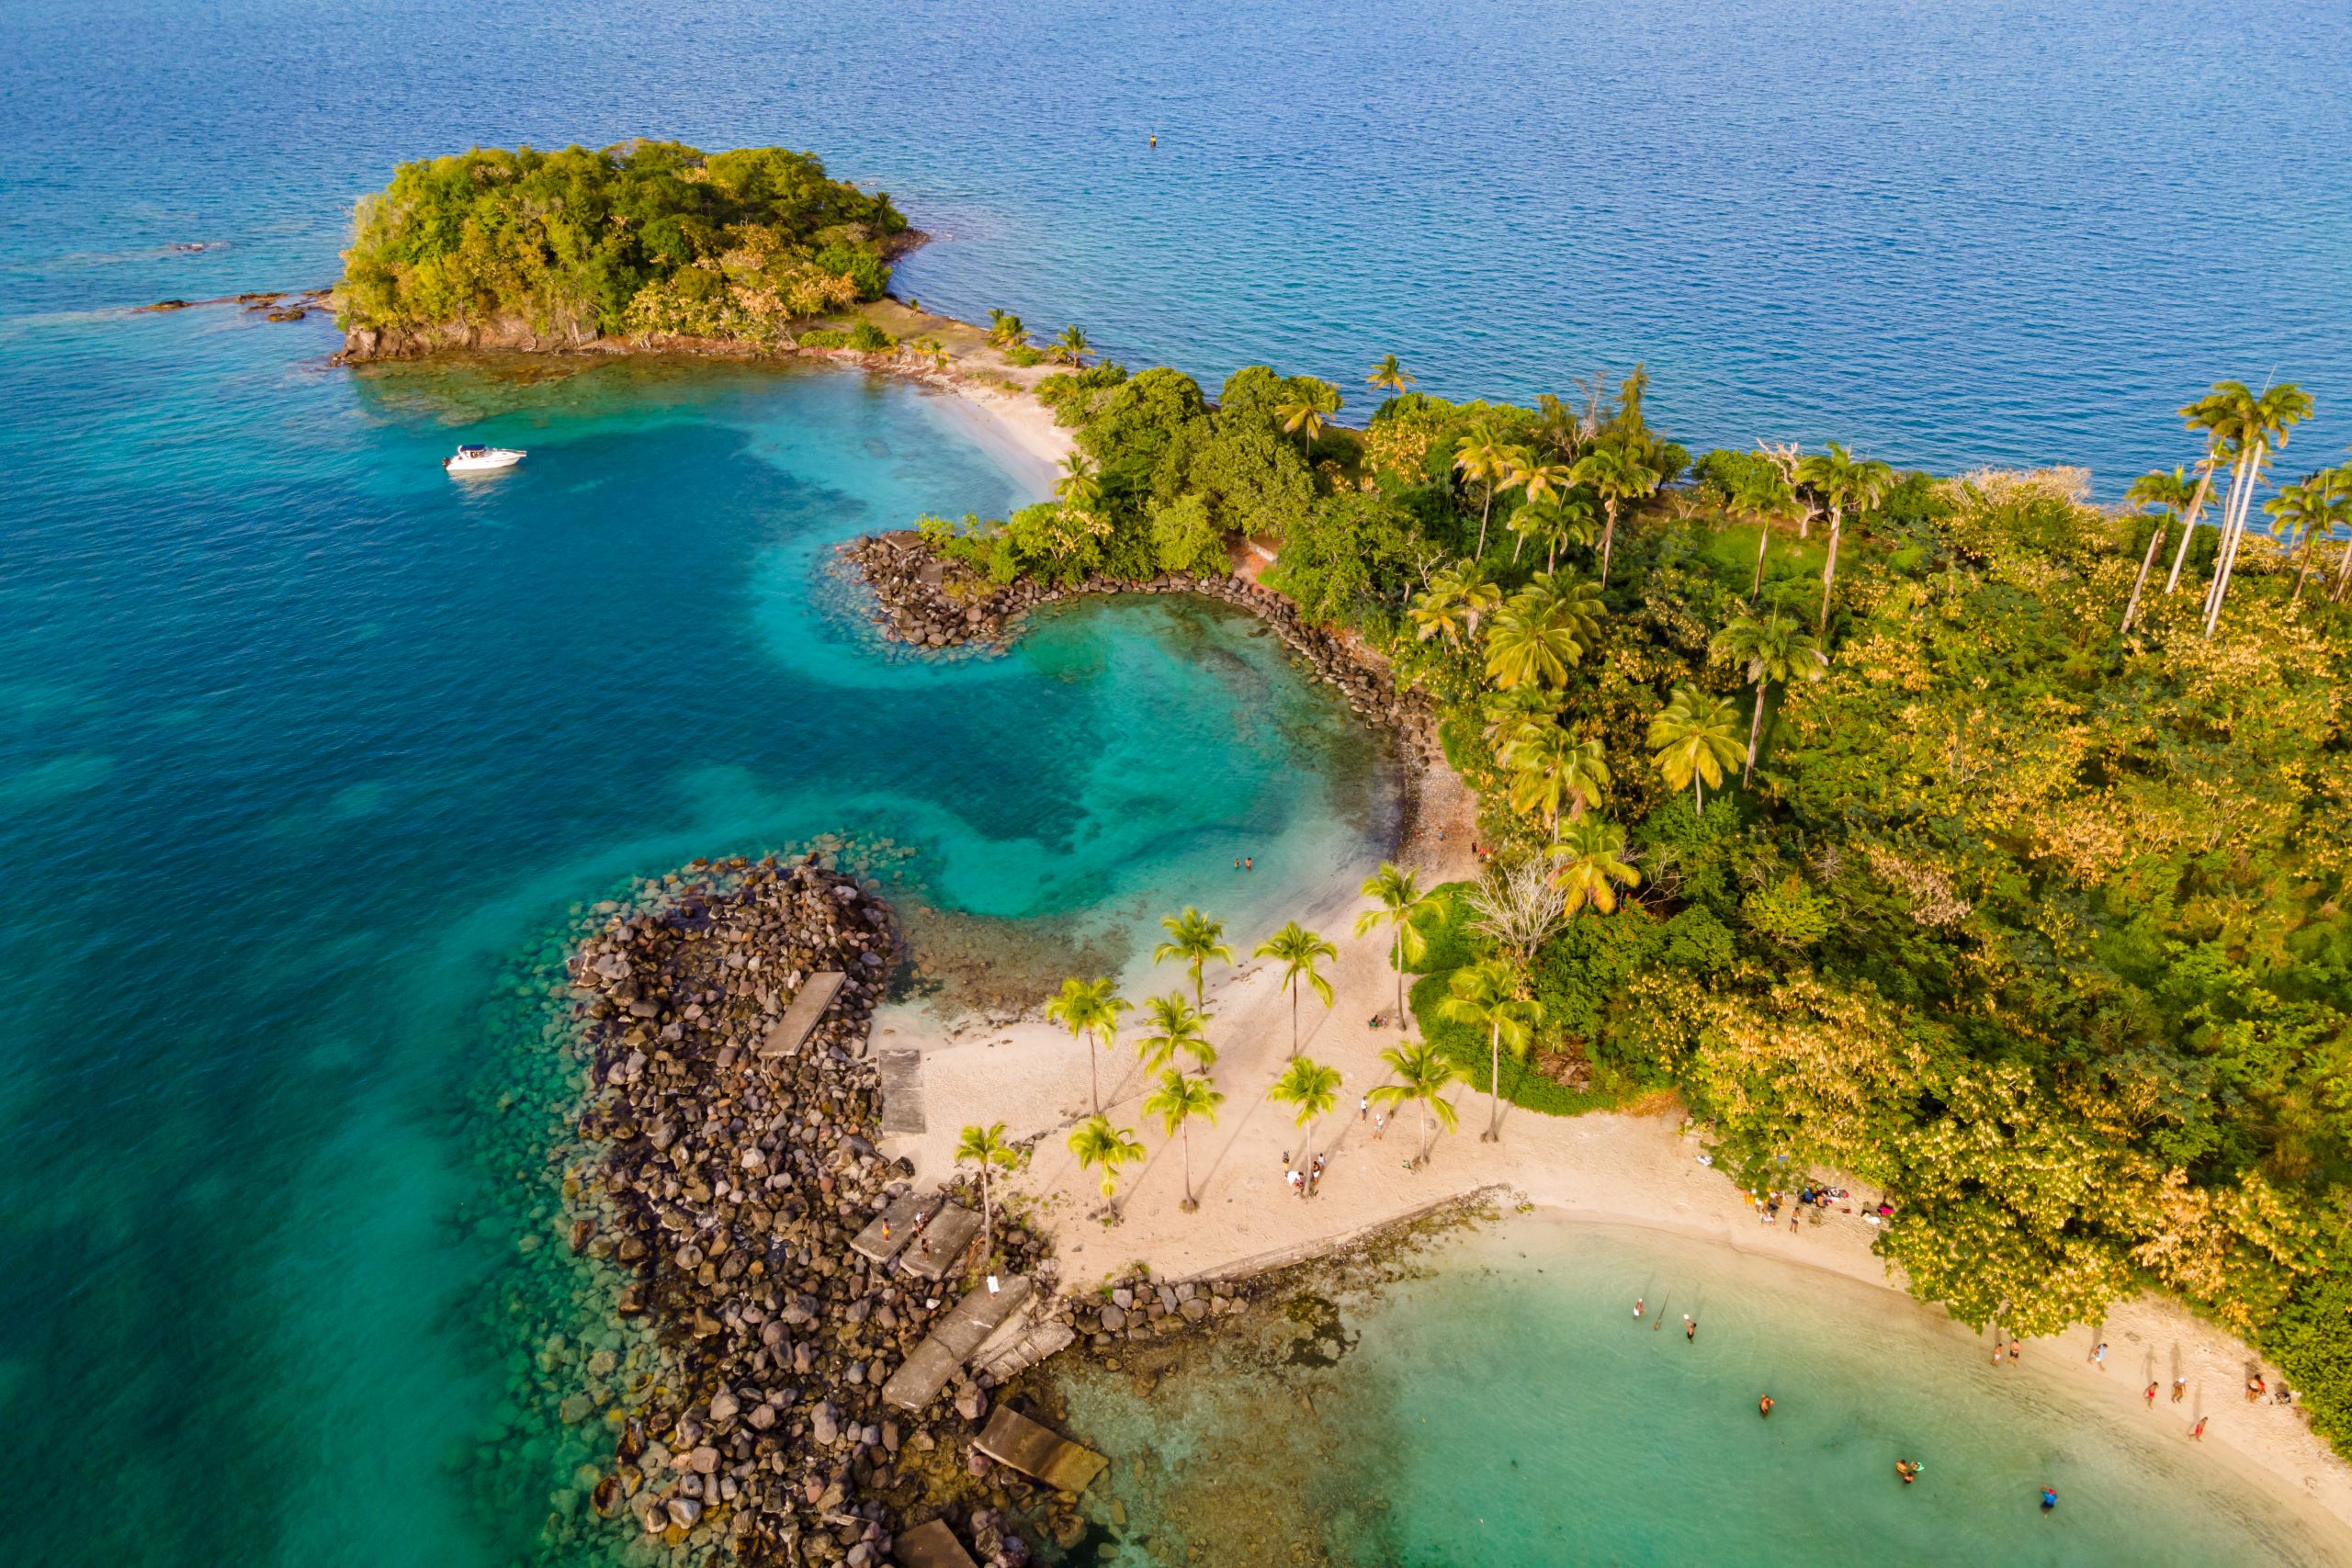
(645, 237)
(2036, 923)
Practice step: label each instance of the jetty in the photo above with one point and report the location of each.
(942, 1242)
(800, 1019)
(962, 1330)
(887, 1234)
(1013, 1441)
(931, 1545)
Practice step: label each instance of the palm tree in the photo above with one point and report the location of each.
(1309, 1088)
(1079, 487)
(1482, 460)
(2209, 414)
(1424, 1074)
(1177, 1025)
(2259, 424)
(2165, 495)
(1176, 1101)
(1534, 639)
(1592, 864)
(1541, 483)
(1096, 1143)
(1195, 939)
(1485, 996)
(1389, 376)
(1842, 480)
(2309, 508)
(985, 1146)
(1089, 1008)
(1764, 494)
(1300, 950)
(1695, 738)
(1071, 348)
(1306, 416)
(1454, 601)
(1617, 475)
(1400, 905)
(1552, 773)
(1005, 330)
(1774, 647)
(2343, 563)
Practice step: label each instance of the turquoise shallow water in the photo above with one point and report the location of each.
(301, 745)
(1504, 1406)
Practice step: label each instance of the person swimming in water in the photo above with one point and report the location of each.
(1908, 1469)
(2048, 1498)
(1637, 1305)
(1764, 1406)
(1689, 1326)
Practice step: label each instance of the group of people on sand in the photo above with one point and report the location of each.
(1304, 1183)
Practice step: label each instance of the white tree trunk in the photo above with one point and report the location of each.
(2189, 524)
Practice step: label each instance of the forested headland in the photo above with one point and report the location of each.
(647, 239)
(1957, 833)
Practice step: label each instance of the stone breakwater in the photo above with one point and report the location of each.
(731, 1186)
(927, 600)
(729, 1182)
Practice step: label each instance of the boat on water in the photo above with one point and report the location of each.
(481, 459)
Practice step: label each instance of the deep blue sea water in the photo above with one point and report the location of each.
(303, 748)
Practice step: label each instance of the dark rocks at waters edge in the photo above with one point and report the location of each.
(927, 601)
(275, 305)
(732, 1177)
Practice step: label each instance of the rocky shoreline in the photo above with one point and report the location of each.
(729, 1180)
(926, 600)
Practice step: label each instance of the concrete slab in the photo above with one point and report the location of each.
(901, 1072)
(930, 1546)
(800, 1019)
(1011, 1439)
(960, 1332)
(887, 1233)
(943, 1241)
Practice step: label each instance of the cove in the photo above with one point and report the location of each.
(302, 743)
(1498, 1402)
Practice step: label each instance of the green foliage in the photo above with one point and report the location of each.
(2311, 1339)
(645, 237)
(823, 337)
(867, 338)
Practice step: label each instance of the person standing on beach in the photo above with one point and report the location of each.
(2151, 1396)
(2014, 1348)
(2197, 1433)
(2179, 1390)
(2099, 1355)
(1363, 1109)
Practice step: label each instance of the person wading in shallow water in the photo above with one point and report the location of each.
(1689, 1328)
(1764, 1406)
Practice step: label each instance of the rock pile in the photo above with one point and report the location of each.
(734, 1180)
(925, 601)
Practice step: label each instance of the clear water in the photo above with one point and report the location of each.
(1505, 1406)
(306, 753)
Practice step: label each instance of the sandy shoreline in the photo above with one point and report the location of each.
(1615, 1168)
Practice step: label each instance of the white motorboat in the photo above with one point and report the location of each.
(481, 459)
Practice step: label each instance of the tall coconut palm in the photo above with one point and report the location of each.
(1192, 939)
(1842, 480)
(1772, 646)
(1486, 997)
(1176, 1102)
(1541, 483)
(1616, 474)
(1695, 737)
(1518, 714)
(1306, 415)
(986, 1146)
(1766, 495)
(1424, 1074)
(1090, 1007)
(1481, 459)
(1299, 950)
(1591, 865)
(1071, 348)
(2343, 563)
(2211, 415)
(1175, 1025)
(1100, 1145)
(2260, 423)
(1310, 1089)
(2166, 496)
(1390, 376)
(1005, 330)
(1552, 773)
(2316, 505)
(1400, 904)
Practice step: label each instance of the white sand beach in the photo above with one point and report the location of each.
(1618, 1169)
